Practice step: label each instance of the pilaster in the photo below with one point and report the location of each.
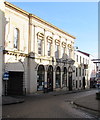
(2, 39)
(45, 44)
(54, 79)
(61, 79)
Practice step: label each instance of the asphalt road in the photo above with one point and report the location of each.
(47, 106)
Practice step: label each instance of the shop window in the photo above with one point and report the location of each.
(40, 77)
(58, 77)
(64, 77)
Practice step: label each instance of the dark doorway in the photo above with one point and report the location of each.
(83, 82)
(58, 77)
(40, 77)
(15, 83)
(50, 78)
(70, 80)
(64, 77)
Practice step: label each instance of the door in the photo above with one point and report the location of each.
(83, 82)
(15, 83)
(70, 80)
(50, 78)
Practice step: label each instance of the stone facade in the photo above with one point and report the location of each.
(38, 56)
(32, 46)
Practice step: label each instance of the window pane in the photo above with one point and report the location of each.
(49, 48)
(56, 51)
(63, 51)
(16, 36)
(39, 46)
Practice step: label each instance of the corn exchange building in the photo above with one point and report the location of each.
(38, 56)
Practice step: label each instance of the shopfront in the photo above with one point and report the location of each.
(64, 77)
(50, 78)
(58, 77)
(40, 77)
(70, 71)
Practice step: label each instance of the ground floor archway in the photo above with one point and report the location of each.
(58, 77)
(70, 80)
(40, 77)
(50, 78)
(64, 77)
(15, 83)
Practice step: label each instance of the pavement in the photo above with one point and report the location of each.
(8, 100)
(88, 102)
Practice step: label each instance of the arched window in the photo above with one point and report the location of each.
(40, 39)
(49, 48)
(64, 77)
(39, 46)
(50, 78)
(16, 37)
(40, 77)
(58, 77)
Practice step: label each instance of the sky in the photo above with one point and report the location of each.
(79, 19)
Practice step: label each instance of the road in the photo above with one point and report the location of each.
(47, 106)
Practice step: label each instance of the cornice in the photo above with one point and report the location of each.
(37, 18)
(16, 8)
(49, 24)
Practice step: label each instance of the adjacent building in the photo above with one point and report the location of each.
(85, 69)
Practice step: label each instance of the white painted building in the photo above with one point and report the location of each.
(85, 69)
(38, 56)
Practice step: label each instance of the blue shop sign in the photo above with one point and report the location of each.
(6, 76)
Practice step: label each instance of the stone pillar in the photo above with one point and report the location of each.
(60, 48)
(30, 34)
(43, 50)
(53, 47)
(32, 76)
(35, 40)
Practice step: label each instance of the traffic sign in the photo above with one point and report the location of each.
(6, 76)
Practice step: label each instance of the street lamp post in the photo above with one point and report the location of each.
(23, 75)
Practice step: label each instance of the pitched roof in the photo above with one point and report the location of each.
(87, 54)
